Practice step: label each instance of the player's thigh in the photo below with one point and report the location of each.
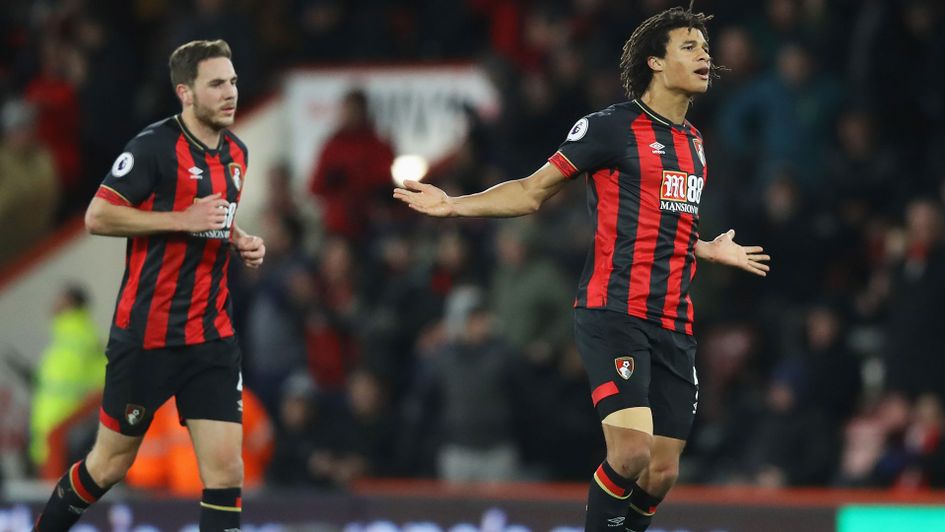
(137, 382)
(666, 451)
(674, 386)
(213, 389)
(218, 447)
(615, 351)
(210, 404)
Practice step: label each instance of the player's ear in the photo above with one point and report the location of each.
(655, 63)
(185, 94)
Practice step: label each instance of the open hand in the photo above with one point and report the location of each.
(425, 198)
(748, 258)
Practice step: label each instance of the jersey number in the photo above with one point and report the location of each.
(694, 189)
(230, 213)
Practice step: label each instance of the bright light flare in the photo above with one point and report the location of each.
(412, 167)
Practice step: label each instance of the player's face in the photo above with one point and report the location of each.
(214, 93)
(685, 66)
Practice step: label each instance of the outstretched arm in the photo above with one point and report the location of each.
(508, 199)
(108, 219)
(724, 250)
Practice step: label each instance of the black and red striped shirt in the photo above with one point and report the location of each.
(174, 289)
(645, 177)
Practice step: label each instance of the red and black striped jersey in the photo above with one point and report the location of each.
(174, 289)
(645, 177)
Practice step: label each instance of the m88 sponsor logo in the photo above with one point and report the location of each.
(681, 192)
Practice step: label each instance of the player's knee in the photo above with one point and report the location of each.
(629, 462)
(109, 469)
(224, 472)
(663, 475)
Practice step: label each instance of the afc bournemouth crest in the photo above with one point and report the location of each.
(236, 173)
(134, 414)
(624, 367)
(698, 144)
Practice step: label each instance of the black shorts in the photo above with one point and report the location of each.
(205, 379)
(631, 362)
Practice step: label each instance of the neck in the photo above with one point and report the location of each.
(671, 104)
(206, 134)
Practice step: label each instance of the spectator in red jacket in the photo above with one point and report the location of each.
(353, 175)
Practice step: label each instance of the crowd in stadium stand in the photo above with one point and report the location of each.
(391, 344)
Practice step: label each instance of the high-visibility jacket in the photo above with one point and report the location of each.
(72, 366)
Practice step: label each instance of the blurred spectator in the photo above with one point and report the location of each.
(925, 445)
(463, 390)
(275, 331)
(781, 220)
(862, 169)
(71, 368)
(730, 401)
(900, 59)
(400, 304)
(322, 26)
(365, 428)
(53, 93)
(283, 197)
(332, 347)
(353, 171)
(109, 68)
(29, 190)
(916, 304)
(369, 404)
(873, 453)
(782, 21)
(280, 197)
(307, 439)
(783, 118)
(833, 372)
(793, 444)
(530, 298)
(556, 409)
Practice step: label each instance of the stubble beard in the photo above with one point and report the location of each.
(205, 116)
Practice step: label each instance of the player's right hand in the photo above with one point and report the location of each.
(425, 198)
(207, 213)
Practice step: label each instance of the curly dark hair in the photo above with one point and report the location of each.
(650, 39)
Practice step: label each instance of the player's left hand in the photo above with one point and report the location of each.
(748, 258)
(252, 250)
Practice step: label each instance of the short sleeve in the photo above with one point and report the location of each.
(133, 175)
(595, 141)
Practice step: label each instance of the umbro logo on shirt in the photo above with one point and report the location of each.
(195, 173)
(658, 148)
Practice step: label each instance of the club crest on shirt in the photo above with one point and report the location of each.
(236, 173)
(134, 414)
(699, 150)
(624, 366)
